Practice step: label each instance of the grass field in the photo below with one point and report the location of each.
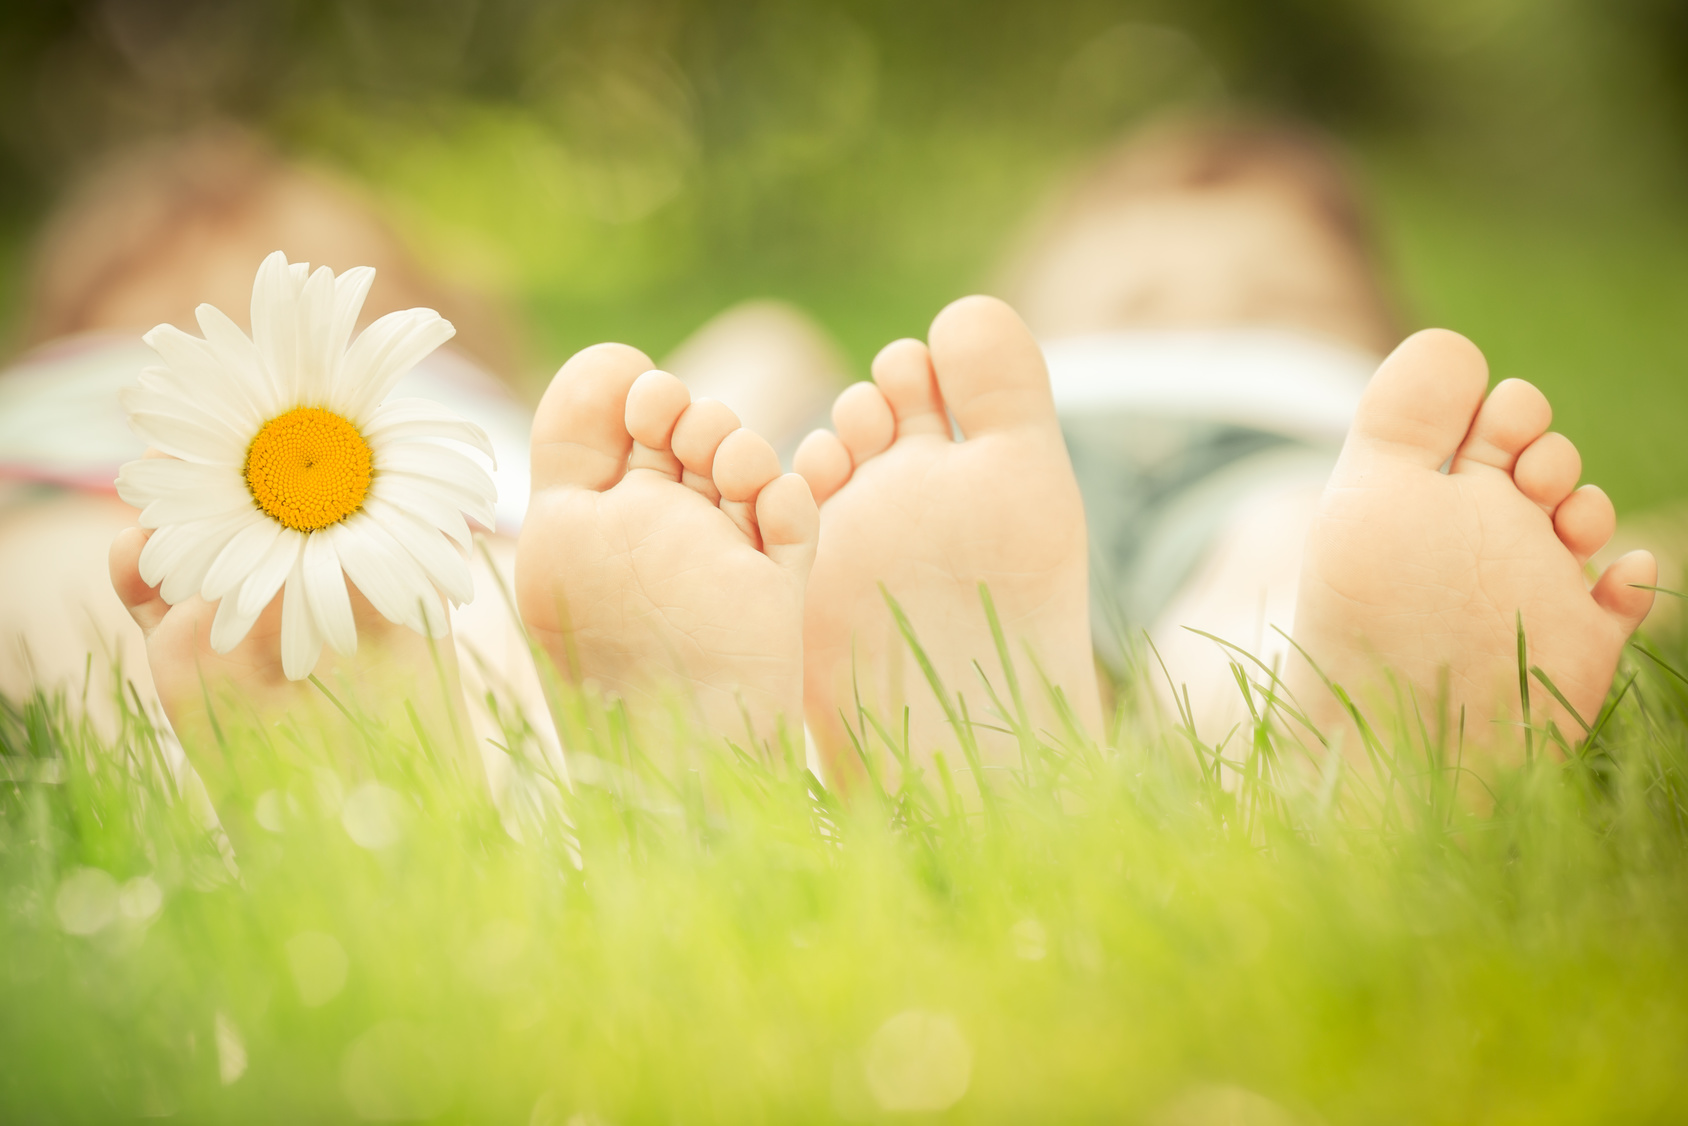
(1154, 930)
(1172, 928)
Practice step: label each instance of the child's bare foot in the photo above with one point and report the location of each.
(663, 551)
(1418, 572)
(905, 505)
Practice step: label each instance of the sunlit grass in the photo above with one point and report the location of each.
(1162, 929)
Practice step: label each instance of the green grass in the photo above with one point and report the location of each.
(1111, 933)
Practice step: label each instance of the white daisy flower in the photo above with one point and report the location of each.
(287, 467)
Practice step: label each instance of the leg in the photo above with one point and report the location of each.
(1204, 253)
(58, 616)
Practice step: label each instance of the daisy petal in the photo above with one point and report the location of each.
(230, 627)
(407, 494)
(439, 559)
(166, 548)
(180, 438)
(475, 507)
(405, 419)
(350, 289)
(271, 571)
(301, 643)
(161, 381)
(185, 508)
(316, 364)
(382, 354)
(141, 482)
(201, 543)
(236, 352)
(325, 589)
(275, 323)
(438, 463)
(237, 559)
(393, 582)
(200, 374)
(178, 405)
(211, 493)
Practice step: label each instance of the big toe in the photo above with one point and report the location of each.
(989, 367)
(580, 436)
(1421, 403)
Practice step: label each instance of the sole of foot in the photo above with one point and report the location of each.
(910, 512)
(1424, 573)
(664, 556)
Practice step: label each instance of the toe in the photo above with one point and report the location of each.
(143, 602)
(1514, 415)
(1420, 404)
(824, 463)
(1624, 591)
(580, 437)
(862, 416)
(903, 373)
(990, 369)
(790, 522)
(744, 465)
(1585, 521)
(654, 406)
(697, 436)
(1548, 470)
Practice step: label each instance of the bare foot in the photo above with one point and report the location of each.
(663, 551)
(394, 671)
(1425, 573)
(905, 505)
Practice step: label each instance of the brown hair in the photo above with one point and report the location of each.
(1195, 154)
(152, 220)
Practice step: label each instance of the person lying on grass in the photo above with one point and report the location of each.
(664, 549)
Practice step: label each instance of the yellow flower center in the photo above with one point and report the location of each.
(308, 469)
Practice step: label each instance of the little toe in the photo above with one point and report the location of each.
(1420, 404)
(789, 521)
(744, 465)
(1624, 591)
(696, 438)
(580, 437)
(654, 406)
(1548, 470)
(1514, 415)
(1585, 521)
(864, 422)
(143, 602)
(989, 368)
(903, 373)
(824, 463)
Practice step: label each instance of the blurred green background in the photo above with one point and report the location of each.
(626, 168)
